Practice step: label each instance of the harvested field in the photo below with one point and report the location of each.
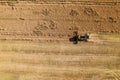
(30, 60)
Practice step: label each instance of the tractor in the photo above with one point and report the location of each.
(75, 38)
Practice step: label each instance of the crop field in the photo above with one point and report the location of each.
(34, 40)
(30, 60)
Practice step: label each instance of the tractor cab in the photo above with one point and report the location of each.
(74, 38)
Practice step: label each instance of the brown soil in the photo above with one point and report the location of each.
(57, 19)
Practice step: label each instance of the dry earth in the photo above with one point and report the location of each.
(38, 19)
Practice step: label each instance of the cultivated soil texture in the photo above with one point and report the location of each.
(57, 19)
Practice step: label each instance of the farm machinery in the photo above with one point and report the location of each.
(75, 38)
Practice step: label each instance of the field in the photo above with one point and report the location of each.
(34, 38)
(98, 59)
